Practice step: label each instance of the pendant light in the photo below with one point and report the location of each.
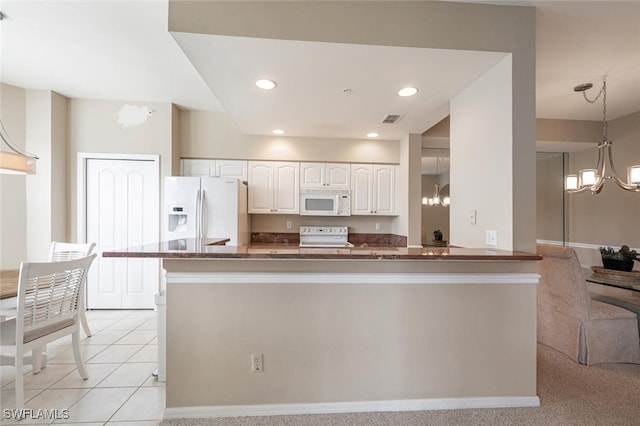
(593, 179)
(15, 161)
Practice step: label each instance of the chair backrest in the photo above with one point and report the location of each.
(562, 283)
(68, 251)
(48, 292)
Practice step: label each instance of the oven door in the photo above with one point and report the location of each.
(319, 204)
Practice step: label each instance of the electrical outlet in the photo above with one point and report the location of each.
(256, 363)
(377, 226)
(492, 238)
(289, 224)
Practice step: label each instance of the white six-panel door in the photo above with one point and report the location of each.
(122, 210)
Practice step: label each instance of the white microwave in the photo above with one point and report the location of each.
(325, 202)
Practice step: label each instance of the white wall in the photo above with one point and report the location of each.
(481, 152)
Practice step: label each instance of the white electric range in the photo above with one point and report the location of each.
(324, 236)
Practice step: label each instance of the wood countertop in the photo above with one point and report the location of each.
(9, 283)
(192, 248)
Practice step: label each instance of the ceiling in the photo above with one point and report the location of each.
(121, 50)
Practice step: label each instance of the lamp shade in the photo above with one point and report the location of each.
(571, 182)
(634, 175)
(588, 177)
(17, 164)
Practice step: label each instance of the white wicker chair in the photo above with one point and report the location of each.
(48, 299)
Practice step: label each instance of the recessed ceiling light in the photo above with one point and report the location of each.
(266, 84)
(277, 132)
(407, 91)
(373, 135)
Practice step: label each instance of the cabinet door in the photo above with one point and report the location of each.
(232, 169)
(338, 175)
(260, 187)
(197, 167)
(361, 189)
(286, 187)
(384, 178)
(312, 175)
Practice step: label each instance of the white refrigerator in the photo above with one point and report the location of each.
(206, 207)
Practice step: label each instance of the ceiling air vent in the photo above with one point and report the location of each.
(391, 118)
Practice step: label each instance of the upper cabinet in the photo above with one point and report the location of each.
(221, 168)
(274, 187)
(325, 175)
(373, 189)
(197, 167)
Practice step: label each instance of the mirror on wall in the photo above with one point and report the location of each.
(551, 211)
(435, 213)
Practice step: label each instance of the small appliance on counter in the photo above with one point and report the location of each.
(324, 236)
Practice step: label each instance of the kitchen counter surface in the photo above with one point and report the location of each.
(208, 248)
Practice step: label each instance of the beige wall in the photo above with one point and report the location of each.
(550, 197)
(481, 174)
(568, 130)
(94, 129)
(205, 134)
(46, 193)
(13, 205)
(340, 342)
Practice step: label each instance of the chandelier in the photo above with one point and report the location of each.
(593, 179)
(15, 161)
(436, 200)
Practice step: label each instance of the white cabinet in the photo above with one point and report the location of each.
(197, 167)
(373, 189)
(274, 187)
(325, 175)
(218, 168)
(232, 169)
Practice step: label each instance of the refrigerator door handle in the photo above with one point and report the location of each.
(203, 216)
(198, 214)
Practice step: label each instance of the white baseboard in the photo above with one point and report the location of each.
(351, 407)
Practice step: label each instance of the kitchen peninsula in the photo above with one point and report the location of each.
(345, 330)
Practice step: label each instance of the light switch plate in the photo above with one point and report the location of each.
(492, 238)
(472, 216)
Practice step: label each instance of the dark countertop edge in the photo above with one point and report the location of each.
(325, 256)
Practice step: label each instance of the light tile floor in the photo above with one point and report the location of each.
(120, 357)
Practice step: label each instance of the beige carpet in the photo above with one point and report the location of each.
(570, 394)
